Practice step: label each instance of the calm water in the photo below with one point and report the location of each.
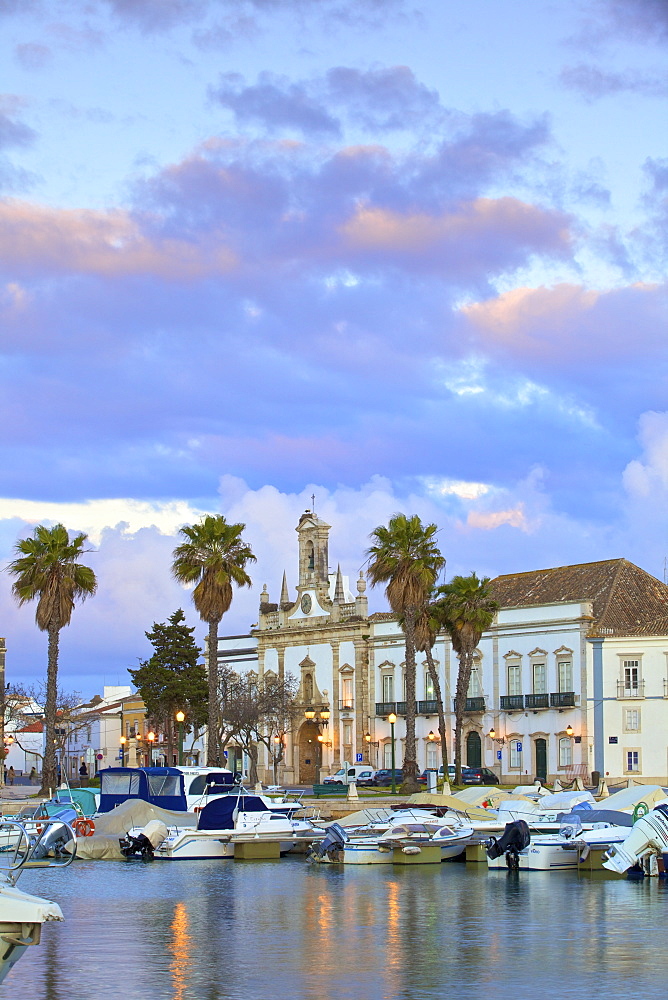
(259, 930)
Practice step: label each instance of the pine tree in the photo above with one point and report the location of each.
(172, 679)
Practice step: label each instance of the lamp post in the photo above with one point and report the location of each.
(150, 739)
(372, 743)
(122, 743)
(392, 719)
(180, 718)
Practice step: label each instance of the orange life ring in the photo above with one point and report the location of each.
(84, 827)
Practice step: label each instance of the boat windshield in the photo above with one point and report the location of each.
(120, 784)
(164, 784)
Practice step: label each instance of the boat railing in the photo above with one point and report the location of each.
(46, 843)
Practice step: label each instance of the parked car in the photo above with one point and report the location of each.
(422, 778)
(479, 776)
(384, 777)
(361, 774)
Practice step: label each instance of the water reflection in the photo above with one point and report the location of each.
(181, 948)
(292, 931)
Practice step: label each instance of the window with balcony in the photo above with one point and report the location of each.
(514, 679)
(428, 687)
(631, 677)
(565, 752)
(475, 684)
(565, 675)
(346, 693)
(388, 687)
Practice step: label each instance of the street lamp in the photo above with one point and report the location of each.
(122, 741)
(180, 718)
(324, 716)
(569, 730)
(150, 739)
(309, 714)
(392, 719)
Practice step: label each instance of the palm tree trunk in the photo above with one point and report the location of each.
(213, 731)
(463, 680)
(50, 766)
(442, 728)
(410, 762)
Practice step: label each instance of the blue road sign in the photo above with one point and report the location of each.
(358, 758)
(498, 755)
(519, 747)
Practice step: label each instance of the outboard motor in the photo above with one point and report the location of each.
(331, 845)
(144, 845)
(514, 839)
(649, 835)
(54, 836)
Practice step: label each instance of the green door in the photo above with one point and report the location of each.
(473, 750)
(541, 760)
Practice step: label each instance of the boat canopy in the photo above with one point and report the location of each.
(220, 814)
(213, 783)
(161, 786)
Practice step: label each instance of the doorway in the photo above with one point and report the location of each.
(541, 759)
(473, 750)
(310, 754)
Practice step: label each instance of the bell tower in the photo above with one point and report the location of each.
(313, 554)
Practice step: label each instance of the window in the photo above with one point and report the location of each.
(631, 675)
(565, 672)
(388, 687)
(515, 754)
(514, 679)
(631, 720)
(475, 686)
(387, 755)
(539, 679)
(428, 687)
(633, 760)
(164, 784)
(565, 752)
(347, 733)
(432, 756)
(347, 690)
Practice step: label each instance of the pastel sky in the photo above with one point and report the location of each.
(402, 254)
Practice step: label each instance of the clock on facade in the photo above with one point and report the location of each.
(306, 603)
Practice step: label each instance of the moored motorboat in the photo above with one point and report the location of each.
(23, 914)
(427, 842)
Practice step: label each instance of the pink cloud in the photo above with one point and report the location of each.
(490, 520)
(111, 244)
(469, 228)
(565, 321)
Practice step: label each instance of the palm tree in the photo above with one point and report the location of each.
(407, 559)
(427, 628)
(213, 557)
(466, 608)
(47, 568)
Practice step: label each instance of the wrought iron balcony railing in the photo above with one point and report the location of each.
(536, 701)
(512, 702)
(562, 699)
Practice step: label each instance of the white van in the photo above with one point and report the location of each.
(349, 773)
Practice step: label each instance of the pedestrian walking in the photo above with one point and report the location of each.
(33, 776)
(83, 771)
(11, 775)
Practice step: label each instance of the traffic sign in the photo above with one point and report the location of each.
(358, 758)
(498, 755)
(519, 747)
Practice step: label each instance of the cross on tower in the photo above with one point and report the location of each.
(313, 503)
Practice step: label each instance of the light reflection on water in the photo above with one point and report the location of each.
(292, 931)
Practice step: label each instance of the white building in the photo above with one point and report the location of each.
(571, 677)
